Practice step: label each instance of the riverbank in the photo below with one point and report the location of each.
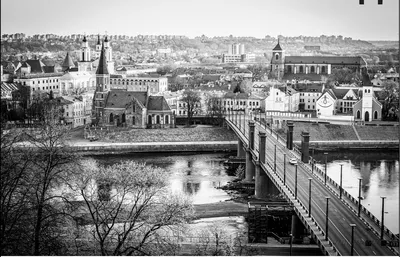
(193, 139)
(93, 148)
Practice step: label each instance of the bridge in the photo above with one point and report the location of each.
(337, 221)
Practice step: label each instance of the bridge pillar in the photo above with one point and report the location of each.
(289, 135)
(305, 144)
(261, 182)
(240, 149)
(249, 166)
(251, 134)
(297, 226)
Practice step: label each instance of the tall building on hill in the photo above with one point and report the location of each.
(236, 49)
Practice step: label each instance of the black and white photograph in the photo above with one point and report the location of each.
(200, 128)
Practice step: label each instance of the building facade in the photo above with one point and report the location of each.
(281, 64)
(155, 84)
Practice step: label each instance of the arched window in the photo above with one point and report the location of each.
(166, 119)
(375, 115)
(323, 69)
(366, 116)
(158, 119)
(111, 117)
(358, 114)
(133, 120)
(312, 69)
(276, 56)
(123, 118)
(289, 68)
(301, 69)
(149, 120)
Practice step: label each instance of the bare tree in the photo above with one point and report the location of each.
(131, 210)
(214, 109)
(192, 103)
(51, 164)
(14, 192)
(36, 163)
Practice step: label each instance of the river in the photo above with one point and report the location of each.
(198, 175)
(379, 171)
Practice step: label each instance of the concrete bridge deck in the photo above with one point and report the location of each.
(268, 156)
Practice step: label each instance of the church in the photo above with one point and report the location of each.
(310, 67)
(123, 108)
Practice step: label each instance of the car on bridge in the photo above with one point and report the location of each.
(293, 161)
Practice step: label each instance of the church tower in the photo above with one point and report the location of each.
(85, 63)
(98, 47)
(367, 98)
(108, 52)
(278, 61)
(102, 87)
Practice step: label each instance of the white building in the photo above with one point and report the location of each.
(78, 110)
(76, 82)
(283, 99)
(156, 84)
(41, 83)
(309, 94)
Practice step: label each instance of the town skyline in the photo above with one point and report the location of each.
(253, 19)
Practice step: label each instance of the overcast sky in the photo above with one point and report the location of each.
(192, 18)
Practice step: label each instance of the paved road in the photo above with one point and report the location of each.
(340, 215)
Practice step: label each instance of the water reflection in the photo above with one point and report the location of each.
(196, 175)
(380, 177)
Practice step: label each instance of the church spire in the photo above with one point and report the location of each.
(68, 63)
(102, 67)
(277, 47)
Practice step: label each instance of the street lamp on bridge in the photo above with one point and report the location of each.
(327, 217)
(383, 216)
(341, 188)
(359, 196)
(352, 239)
(284, 169)
(326, 161)
(295, 182)
(275, 158)
(309, 197)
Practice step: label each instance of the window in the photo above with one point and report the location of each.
(276, 56)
